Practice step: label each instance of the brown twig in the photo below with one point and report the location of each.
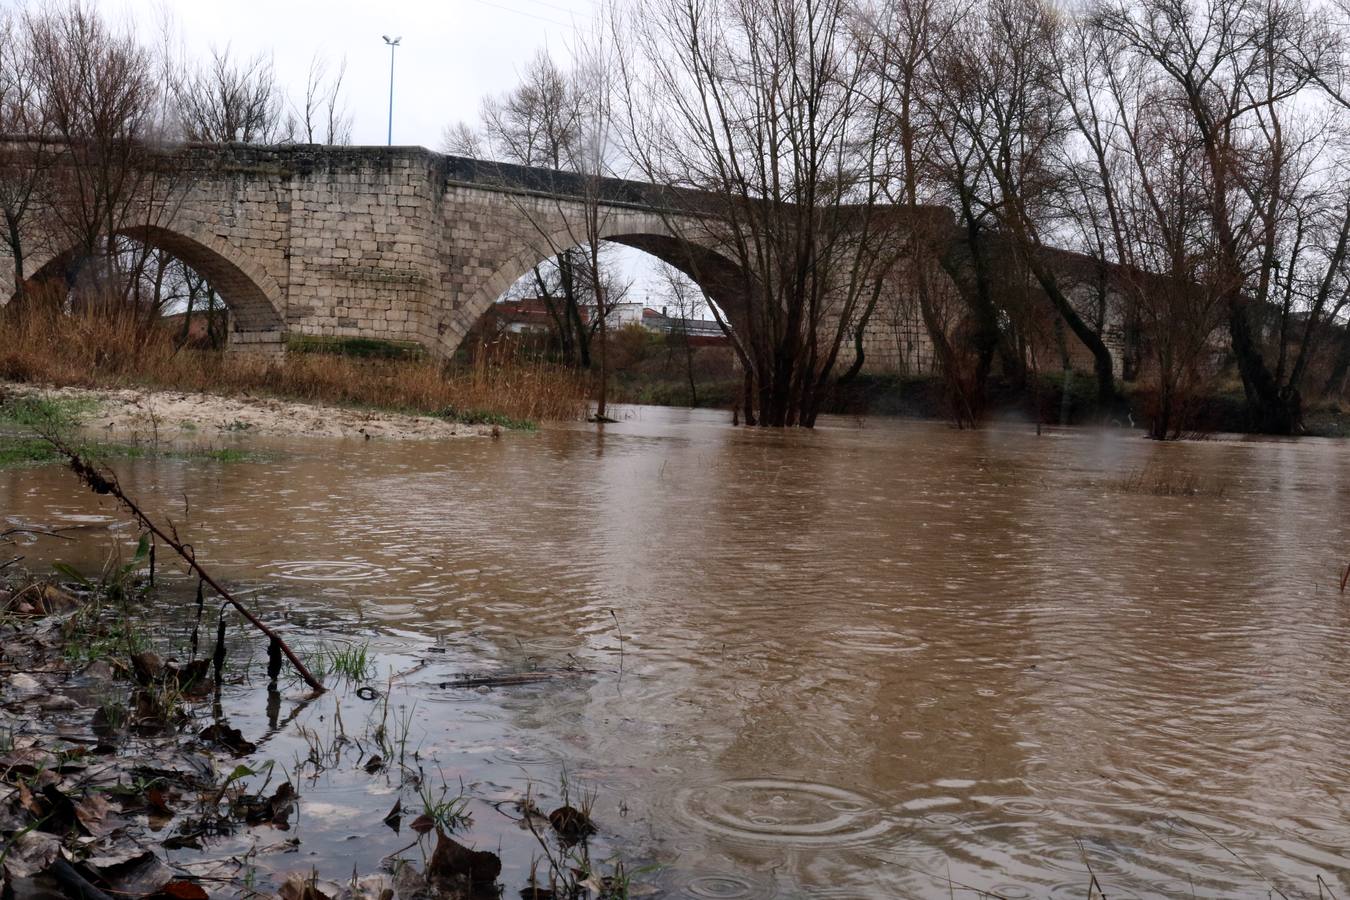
(1092, 876)
(101, 483)
(38, 532)
(1345, 578)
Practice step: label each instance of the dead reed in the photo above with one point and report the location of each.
(111, 351)
(1157, 481)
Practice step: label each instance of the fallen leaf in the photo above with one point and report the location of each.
(12, 819)
(31, 852)
(306, 887)
(146, 666)
(137, 877)
(60, 816)
(27, 802)
(422, 824)
(56, 601)
(372, 887)
(96, 817)
(395, 816)
(280, 805)
(157, 808)
(452, 860)
(155, 800)
(231, 739)
(28, 761)
(111, 858)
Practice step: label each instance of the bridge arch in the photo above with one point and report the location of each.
(255, 300)
(720, 278)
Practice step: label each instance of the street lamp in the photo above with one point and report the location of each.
(393, 43)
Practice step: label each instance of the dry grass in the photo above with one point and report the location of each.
(1158, 481)
(106, 351)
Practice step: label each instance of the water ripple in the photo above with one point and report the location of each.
(327, 570)
(780, 811)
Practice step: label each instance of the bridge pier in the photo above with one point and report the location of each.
(264, 343)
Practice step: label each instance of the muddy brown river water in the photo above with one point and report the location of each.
(880, 659)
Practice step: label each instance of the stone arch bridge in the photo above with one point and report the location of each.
(398, 244)
(403, 244)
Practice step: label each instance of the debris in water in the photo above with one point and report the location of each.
(231, 739)
(452, 864)
(571, 824)
(395, 816)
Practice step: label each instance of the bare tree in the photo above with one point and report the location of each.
(104, 104)
(687, 300)
(322, 116)
(1249, 78)
(539, 123)
(903, 51)
(1139, 206)
(1172, 272)
(229, 100)
(1007, 123)
(25, 157)
(761, 106)
(545, 122)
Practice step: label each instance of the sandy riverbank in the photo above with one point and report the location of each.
(144, 413)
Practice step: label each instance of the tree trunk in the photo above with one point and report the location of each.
(859, 357)
(581, 328)
(561, 323)
(187, 319)
(602, 310)
(748, 395)
(1160, 428)
(963, 405)
(1270, 410)
(977, 295)
(1107, 396)
(15, 241)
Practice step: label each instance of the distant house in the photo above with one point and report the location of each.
(530, 315)
(701, 332)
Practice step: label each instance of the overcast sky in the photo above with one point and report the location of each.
(452, 52)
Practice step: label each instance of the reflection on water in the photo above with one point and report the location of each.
(875, 661)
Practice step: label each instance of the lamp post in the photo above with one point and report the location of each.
(393, 43)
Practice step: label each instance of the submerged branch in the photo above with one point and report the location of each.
(106, 483)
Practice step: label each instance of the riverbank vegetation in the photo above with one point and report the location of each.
(1053, 399)
(19, 445)
(102, 349)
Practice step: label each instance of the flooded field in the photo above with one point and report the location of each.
(880, 659)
